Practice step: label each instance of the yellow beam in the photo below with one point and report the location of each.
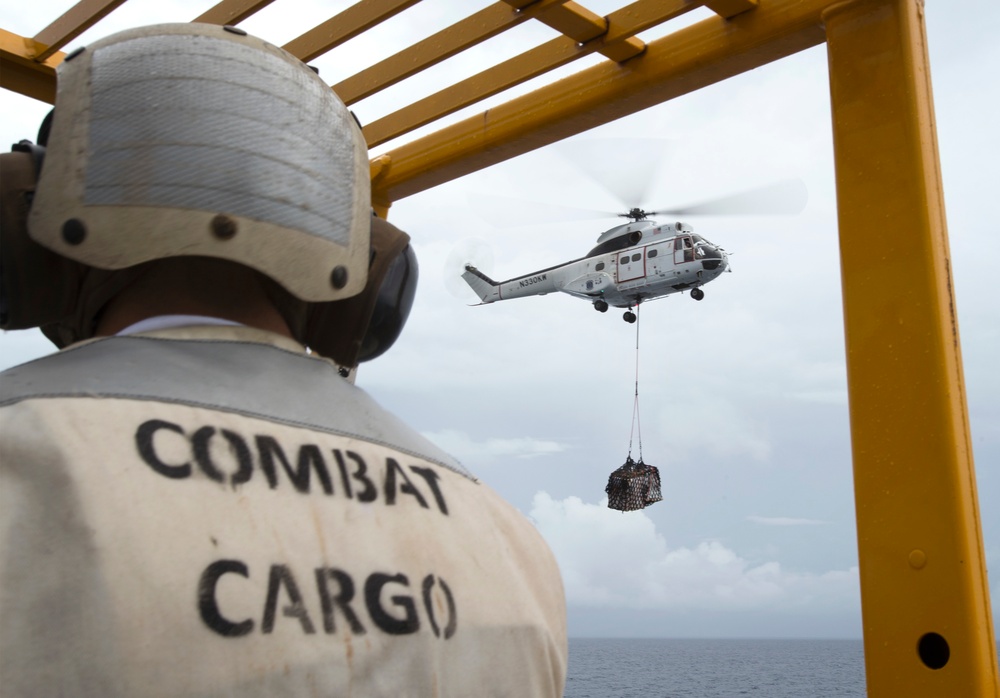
(76, 20)
(623, 23)
(20, 71)
(530, 64)
(231, 11)
(344, 26)
(582, 25)
(448, 42)
(574, 21)
(687, 60)
(730, 8)
(925, 601)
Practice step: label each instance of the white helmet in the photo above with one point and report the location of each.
(196, 139)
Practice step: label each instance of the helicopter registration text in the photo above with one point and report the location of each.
(532, 280)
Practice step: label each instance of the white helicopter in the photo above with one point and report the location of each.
(632, 263)
(641, 260)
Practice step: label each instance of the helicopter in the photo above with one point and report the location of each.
(635, 262)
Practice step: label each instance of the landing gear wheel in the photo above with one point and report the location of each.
(697, 294)
(601, 306)
(629, 316)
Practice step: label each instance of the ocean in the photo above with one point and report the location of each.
(657, 668)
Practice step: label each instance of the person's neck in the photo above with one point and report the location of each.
(194, 286)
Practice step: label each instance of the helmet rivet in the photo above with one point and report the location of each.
(74, 231)
(339, 277)
(223, 227)
(234, 30)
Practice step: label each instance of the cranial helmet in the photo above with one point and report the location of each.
(198, 140)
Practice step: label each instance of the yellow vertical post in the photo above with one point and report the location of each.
(925, 603)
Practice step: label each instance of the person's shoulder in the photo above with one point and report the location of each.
(145, 367)
(220, 371)
(17, 380)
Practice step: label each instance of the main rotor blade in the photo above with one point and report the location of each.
(786, 197)
(624, 167)
(509, 212)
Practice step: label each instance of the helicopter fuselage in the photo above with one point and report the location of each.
(632, 263)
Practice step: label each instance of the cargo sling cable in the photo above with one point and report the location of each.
(634, 485)
(636, 422)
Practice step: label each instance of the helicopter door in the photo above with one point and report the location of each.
(631, 264)
(683, 250)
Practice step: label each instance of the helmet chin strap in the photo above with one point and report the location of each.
(97, 288)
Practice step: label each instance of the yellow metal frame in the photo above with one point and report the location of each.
(925, 602)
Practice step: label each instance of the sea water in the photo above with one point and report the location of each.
(658, 668)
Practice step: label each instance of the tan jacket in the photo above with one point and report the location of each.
(209, 511)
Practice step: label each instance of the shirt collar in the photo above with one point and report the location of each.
(166, 322)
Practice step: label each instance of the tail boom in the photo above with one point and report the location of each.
(535, 284)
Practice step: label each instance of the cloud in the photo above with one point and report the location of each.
(714, 425)
(467, 449)
(784, 521)
(613, 560)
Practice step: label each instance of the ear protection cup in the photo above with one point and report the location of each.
(37, 286)
(363, 327)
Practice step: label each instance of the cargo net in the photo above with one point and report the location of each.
(633, 486)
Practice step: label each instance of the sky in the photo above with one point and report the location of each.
(742, 396)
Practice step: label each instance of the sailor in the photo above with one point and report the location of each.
(194, 499)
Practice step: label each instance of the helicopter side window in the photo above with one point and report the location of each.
(637, 256)
(599, 266)
(652, 253)
(624, 260)
(615, 244)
